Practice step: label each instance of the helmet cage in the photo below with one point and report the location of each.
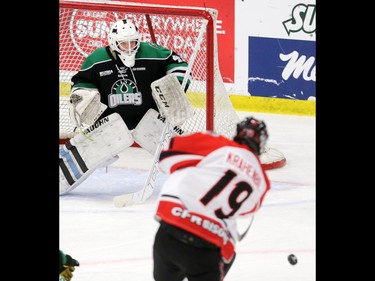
(128, 50)
(124, 31)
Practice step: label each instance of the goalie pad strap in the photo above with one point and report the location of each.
(78, 159)
(65, 172)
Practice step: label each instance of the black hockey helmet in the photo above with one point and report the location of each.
(253, 133)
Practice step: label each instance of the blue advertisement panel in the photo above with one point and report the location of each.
(282, 68)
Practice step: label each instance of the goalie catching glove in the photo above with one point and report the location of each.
(85, 106)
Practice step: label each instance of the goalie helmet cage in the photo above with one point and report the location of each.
(189, 31)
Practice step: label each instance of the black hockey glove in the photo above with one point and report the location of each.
(67, 269)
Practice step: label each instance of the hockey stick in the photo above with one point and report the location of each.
(175, 107)
(147, 190)
(242, 236)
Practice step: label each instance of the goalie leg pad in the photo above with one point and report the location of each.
(148, 131)
(98, 145)
(67, 183)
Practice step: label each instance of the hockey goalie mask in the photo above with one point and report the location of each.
(253, 133)
(124, 40)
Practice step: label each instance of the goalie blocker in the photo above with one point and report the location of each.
(171, 100)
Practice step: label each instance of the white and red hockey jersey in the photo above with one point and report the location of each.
(212, 181)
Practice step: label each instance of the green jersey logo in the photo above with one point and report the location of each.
(124, 92)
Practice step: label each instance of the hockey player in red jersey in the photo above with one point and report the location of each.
(212, 182)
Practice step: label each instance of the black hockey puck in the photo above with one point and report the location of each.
(292, 259)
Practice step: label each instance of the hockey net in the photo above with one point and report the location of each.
(189, 31)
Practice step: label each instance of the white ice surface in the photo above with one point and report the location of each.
(115, 244)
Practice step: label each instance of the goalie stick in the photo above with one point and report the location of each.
(147, 190)
(174, 106)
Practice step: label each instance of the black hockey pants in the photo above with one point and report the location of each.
(178, 254)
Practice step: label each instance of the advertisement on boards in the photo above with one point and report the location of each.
(282, 68)
(284, 65)
(224, 29)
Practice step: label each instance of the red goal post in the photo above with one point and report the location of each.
(189, 31)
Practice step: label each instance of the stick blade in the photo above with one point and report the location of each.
(124, 200)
